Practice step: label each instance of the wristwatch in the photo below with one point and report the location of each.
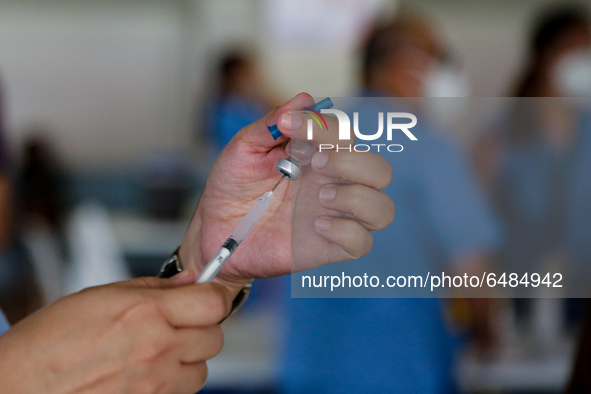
(173, 266)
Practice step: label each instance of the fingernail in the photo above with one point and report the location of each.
(327, 193)
(291, 120)
(180, 276)
(320, 159)
(302, 151)
(322, 224)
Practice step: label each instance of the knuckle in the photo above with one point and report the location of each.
(386, 216)
(344, 164)
(390, 212)
(140, 311)
(88, 290)
(59, 366)
(217, 339)
(200, 375)
(148, 385)
(364, 246)
(92, 291)
(154, 339)
(385, 173)
(221, 303)
(367, 244)
(148, 281)
(214, 339)
(354, 200)
(150, 350)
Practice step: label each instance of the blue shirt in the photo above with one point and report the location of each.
(230, 114)
(4, 326)
(395, 345)
(544, 198)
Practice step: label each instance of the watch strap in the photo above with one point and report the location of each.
(173, 266)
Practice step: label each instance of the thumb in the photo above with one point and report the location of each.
(184, 278)
(258, 133)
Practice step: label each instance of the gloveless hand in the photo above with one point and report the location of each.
(329, 211)
(145, 335)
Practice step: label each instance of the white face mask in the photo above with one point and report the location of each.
(445, 81)
(572, 75)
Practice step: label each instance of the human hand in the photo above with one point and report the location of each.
(145, 335)
(324, 230)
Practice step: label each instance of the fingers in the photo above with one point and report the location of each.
(199, 344)
(373, 209)
(364, 168)
(308, 125)
(348, 238)
(183, 278)
(257, 134)
(190, 378)
(198, 305)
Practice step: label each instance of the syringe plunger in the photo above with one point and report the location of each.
(237, 236)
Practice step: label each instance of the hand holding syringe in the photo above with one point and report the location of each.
(288, 169)
(237, 236)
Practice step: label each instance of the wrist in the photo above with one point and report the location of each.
(192, 257)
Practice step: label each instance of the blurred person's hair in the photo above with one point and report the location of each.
(229, 67)
(388, 37)
(549, 29)
(41, 180)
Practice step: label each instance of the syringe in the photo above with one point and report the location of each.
(288, 169)
(237, 236)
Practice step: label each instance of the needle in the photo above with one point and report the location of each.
(278, 183)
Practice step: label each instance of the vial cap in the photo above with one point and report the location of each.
(288, 169)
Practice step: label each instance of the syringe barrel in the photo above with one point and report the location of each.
(214, 265)
(246, 224)
(252, 217)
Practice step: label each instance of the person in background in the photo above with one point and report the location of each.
(442, 223)
(239, 98)
(536, 165)
(559, 33)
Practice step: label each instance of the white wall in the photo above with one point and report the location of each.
(101, 76)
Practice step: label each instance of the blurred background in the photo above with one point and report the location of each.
(112, 113)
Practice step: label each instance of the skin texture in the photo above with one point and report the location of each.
(245, 170)
(146, 335)
(402, 74)
(152, 335)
